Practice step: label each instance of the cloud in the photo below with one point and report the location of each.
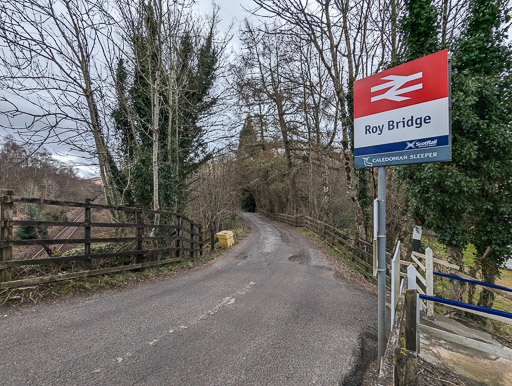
(82, 168)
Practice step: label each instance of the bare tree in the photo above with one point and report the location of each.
(341, 33)
(265, 77)
(52, 78)
(320, 109)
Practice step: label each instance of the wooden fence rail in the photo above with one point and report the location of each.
(360, 252)
(136, 244)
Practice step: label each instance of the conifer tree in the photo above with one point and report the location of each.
(29, 231)
(247, 155)
(469, 200)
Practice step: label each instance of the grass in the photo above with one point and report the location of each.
(442, 285)
(340, 255)
(469, 255)
(442, 289)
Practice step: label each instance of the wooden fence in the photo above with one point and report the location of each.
(137, 242)
(398, 366)
(360, 252)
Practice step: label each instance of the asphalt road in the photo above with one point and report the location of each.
(271, 311)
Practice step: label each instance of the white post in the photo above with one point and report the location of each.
(411, 284)
(396, 273)
(411, 277)
(429, 276)
(395, 281)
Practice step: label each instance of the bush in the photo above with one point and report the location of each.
(29, 231)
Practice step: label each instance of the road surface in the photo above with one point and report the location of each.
(271, 311)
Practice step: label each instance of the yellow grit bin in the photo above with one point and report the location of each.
(226, 239)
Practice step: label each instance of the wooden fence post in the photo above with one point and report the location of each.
(212, 239)
(410, 319)
(405, 369)
(87, 233)
(429, 277)
(6, 233)
(178, 243)
(192, 241)
(201, 240)
(140, 234)
(411, 284)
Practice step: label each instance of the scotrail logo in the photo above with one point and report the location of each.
(420, 145)
(395, 83)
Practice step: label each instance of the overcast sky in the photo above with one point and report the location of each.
(231, 12)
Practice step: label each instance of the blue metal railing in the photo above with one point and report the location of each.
(482, 283)
(467, 306)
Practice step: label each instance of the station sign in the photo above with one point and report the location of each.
(402, 115)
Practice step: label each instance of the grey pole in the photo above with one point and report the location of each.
(381, 240)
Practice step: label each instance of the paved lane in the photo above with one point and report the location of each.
(270, 312)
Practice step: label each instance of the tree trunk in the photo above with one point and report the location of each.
(156, 123)
(286, 142)
(324, 164)
(457, 288)
(104, 157)
(489, 272)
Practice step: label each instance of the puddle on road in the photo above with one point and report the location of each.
(300, 259)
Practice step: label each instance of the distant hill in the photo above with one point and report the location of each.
(32, 172)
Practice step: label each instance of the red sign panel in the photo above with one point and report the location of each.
(419, 81)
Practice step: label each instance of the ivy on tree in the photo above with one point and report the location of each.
(469, 200)
(181, 138)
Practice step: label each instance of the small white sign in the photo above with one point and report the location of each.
(416, 233)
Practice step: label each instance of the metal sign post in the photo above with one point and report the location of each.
(401, 116)
(375, 237)
(381, 239)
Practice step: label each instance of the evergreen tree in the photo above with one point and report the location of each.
(482, 88)
(30, 231)
(247, 161)
(181, 142)
(420, 29)
(469, 200)
(248, 144)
